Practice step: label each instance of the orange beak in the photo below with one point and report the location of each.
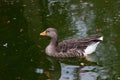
(43, 33)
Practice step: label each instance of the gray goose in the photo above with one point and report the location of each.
(72, 47)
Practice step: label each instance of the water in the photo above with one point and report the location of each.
(22, 55)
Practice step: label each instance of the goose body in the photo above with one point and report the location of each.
(72, 47)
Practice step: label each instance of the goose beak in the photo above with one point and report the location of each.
(43, 33)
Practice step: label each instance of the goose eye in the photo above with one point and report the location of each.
(47, 31)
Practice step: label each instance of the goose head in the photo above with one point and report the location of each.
(50, 32)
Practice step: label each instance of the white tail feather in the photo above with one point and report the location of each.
(100, 38)
(91, 48)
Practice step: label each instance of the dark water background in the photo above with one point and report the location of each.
(22, 54)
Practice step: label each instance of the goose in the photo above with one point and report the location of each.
(78, 48)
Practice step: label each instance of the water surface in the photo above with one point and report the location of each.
(22, 55)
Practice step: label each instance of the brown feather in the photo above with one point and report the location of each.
(81, 44)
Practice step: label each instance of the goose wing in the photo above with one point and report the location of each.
(77, 44)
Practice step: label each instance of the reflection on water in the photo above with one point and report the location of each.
(22, 54)
(72, 72)
(82, 18)
(69, 72)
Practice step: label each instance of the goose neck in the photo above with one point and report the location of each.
(54, 41)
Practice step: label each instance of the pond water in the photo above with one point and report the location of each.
(22, 55)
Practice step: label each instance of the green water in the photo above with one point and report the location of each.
(22, 55)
